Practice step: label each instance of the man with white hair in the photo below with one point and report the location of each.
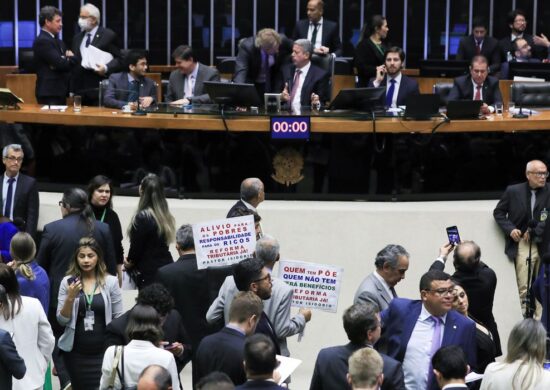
(252, 194)
(85, 80)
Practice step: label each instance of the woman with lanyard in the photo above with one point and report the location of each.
(370, 50)
(89, 298)
(100, 196)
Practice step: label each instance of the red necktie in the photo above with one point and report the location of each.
(478, 92)
(295, 85)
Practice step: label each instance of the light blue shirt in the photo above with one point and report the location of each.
(5, 194)
(417, 357)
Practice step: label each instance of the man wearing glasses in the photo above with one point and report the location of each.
(415, 329)
(19, 192)
(521, 214)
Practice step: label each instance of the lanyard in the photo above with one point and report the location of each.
(103, 215)
(90, 298)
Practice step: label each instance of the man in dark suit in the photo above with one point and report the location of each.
(157, 296)
(415, 329)
(260, 362)
(478, 85)
(365, 370)
(185, 282)
(11, 364)
(322, 33)
(477, 279)
(126, 88)
(85, 80)
(362, 325)
(521, 205)
(450, 368)
(398, 86)
(478, 42)
(517, 21)
(260, 58)
(52, 61)
(186, 84)
(522, 53)
(378, 288)
(19, 193)
(224, 351)
(252, 194)
(305, 84)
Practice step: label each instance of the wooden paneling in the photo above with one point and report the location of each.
(23, 85)
(4, 70)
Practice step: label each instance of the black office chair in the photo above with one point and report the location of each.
(343, 67)
(26, 61)
(325, 62)
(442, 89)
(531, 94)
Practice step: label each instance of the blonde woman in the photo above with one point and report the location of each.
(33, 280)
(522, 368)
(151, 231)
(89, 298)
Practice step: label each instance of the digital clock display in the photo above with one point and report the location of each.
(290, 127)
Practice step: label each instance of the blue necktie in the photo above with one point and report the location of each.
(134, 91)
(9, 197)
(389, 95)
(89, 39)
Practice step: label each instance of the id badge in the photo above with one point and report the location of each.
(89, 321)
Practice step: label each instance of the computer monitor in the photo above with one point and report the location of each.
(232, 94)
(359, 99)
(539, 70)
(422, 107)
(443, 68)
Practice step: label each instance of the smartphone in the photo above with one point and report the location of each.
(72, 279)
(452, 234)
(169, 346)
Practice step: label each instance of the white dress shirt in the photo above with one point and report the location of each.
(296, 104)
(5, 194)
(319, 38)
(417, 356)
(189, 84)
(92, 33)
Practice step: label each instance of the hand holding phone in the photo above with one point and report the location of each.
(452, 234)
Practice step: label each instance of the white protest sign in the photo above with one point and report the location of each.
(316, 286)
(224, 241)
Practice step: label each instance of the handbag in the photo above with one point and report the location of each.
(118, 352)
(121, 376)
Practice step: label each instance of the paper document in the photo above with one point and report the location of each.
(286, 367)
(54, 108)
(473, 376)
(94, 56)
(528, 79)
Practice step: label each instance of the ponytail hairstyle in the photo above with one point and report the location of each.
(75, 200)
(11, 304)
(152, 203)
(23, 250)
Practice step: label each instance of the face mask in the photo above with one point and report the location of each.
(84, 24)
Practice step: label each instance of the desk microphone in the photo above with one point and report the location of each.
(520, 114)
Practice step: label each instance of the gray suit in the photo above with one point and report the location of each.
(277, 309)
(372, 290)
(177, 79)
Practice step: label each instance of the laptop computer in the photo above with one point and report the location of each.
(463, 109)
(422, 107)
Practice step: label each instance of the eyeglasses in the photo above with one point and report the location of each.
(267, 277)
(443, 291)
(14, 159)
(539, 174)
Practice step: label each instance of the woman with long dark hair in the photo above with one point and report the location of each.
(370, 50)
(100, 196)
(25, 319)
(151, 231)
(89, 298)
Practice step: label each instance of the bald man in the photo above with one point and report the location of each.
(523, 205)
(154, 377)
(252, 194)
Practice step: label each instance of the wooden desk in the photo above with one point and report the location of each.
(4, 70)
(94, 116)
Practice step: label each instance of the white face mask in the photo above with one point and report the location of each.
(84, 24)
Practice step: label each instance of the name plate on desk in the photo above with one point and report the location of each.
(290, 127)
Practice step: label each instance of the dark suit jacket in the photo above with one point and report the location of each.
(539, 290)
(59, 242)
(463, 89)
(11, 364)
(117, 92)
(52, 69)
(177, 79)
(400, 318)
(331, 368)
(234, 210)
(480, 285)
(367, 58)
(265, 326)
(513, 211)
(316, 81)
(172, 329)
(249, 62)
(259, 384)
(185, 283)
(330, 38)
(490, 49)
(505, 45)
(26, 202)
(407, 88)
(85, 82)
(222, 351)
(505, 67)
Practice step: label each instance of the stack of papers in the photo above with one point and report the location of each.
(92, 57)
